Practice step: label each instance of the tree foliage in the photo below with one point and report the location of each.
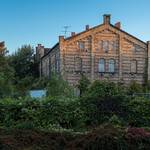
(6, 77)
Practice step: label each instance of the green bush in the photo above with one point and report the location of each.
(134, 87)
(57, 87)
(139, 113)
(102, 100)
(83, 84)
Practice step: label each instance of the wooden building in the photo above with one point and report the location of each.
(101, 52)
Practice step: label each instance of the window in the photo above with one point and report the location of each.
(78, 64)
(105, 46)
(81, 45)
(100, 45)
(57, 65)
(101, 65)
(133, 66)
(111, 66)
(136, 48)
(114, 45)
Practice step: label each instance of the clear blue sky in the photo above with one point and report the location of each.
(41, 21)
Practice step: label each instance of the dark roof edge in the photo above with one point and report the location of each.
(51, 50)
(92, 29)
(102, 25)
(83, 32)
(128, 34)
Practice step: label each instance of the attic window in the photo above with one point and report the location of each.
(105, 46)
(81, 45)
(137, 48)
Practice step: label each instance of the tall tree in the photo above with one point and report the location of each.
(26, 68)
(23, 62)
(6, 73)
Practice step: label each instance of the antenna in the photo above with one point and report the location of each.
(66, 30)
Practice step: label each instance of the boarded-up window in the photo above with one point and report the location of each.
(101, 65)
(105, 46)
(78, 64)
(111, 66)
(133, 66)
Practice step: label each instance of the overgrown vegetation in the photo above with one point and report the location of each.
(100, 103)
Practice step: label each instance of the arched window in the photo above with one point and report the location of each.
(133, 66)
(111, 66)
(101, 65)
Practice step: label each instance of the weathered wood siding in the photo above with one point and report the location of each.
(122, 48)
(51, 62)
(81, 53)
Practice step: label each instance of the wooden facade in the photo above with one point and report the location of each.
(102, 52)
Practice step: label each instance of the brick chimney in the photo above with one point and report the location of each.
(118, 25)
(87, 27)
(106, 18)
(39, 45)
(73, 33)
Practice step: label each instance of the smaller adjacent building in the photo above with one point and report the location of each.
(101, 52)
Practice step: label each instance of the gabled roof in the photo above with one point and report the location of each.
(86, 31)
(71, 37)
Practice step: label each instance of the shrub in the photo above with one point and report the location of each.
(83, 84)
(57, 87)
(102, 100)
(139, 112)
(115, 120)
(134, 87)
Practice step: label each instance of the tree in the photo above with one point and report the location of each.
(26, 68)
(83, 85)
(23, 62)
(102, 100)
(6, 75)
(57, 87)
